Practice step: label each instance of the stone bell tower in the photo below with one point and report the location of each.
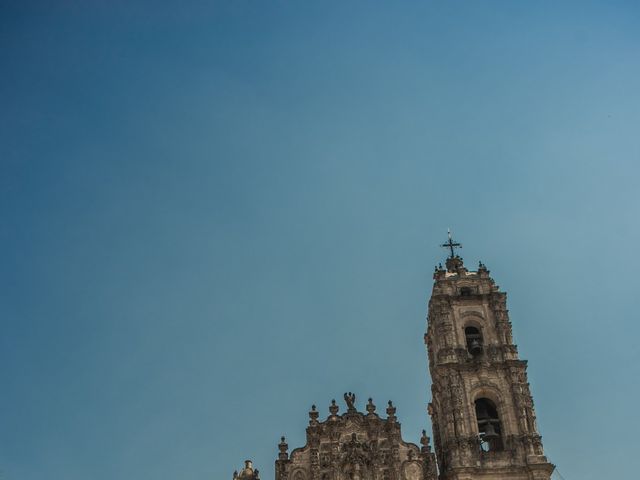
(484, 423)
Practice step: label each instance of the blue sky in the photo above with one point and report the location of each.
(215, 214)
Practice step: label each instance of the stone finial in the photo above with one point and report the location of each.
(283, 447)
(333, 408)
(454, 264)
(350, 399)
(439, 272)
(247, 473)
(371, 408)
(313, 415)
(483, 271)
(391, 411)
(424, 441)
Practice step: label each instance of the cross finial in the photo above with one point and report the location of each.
(451, 244)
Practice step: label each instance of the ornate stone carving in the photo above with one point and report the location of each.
(350, 400)
(358, 446)
(247, 473)
(459, 379)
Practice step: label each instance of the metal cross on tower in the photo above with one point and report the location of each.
(451, 245)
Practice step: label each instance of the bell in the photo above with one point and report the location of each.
(490, 433)
(475, 347)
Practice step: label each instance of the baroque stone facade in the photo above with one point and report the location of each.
(484, 422)
(356, 446)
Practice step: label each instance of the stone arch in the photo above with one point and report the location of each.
(299, 475)
(472, 319)
(491, 391)
(488, 390)
(489, 424)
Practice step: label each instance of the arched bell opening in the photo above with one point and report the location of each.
(488, 425)
(466, 291)
(474, 340)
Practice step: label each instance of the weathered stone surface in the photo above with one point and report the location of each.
(482, 411)
(356, 446)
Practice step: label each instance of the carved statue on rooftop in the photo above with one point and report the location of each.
(350, 399)
(247, 473)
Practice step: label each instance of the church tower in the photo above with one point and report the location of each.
(484, 423)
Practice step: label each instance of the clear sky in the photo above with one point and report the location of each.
(215, 214)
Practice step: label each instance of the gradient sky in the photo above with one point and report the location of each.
(215, 214)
